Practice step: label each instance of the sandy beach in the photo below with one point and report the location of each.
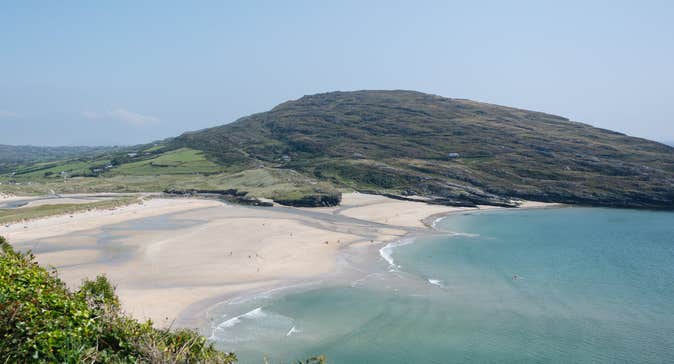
(167, 255)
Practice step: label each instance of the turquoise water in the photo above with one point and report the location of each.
(526, 286)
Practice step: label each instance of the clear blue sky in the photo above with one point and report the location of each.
(116, 72)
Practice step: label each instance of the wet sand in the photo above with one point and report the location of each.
(168, 256)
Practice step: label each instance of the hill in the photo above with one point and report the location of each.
(400, 143)
(458, 151)
(11, 156)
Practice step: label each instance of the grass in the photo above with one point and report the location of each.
(12, 157)
(180, 161)
(8, 216)
(155, 148)
(400, 141)
(270, 183)
(54, 169)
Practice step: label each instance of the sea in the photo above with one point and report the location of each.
(559, 285)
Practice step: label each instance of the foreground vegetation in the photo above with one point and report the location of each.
(41, 321)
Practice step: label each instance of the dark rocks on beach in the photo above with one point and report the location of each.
(314, 200)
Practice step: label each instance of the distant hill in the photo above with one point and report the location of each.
(461, 151)
(11, 155)
(399, 143)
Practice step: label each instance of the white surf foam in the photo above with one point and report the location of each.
(266, 294)
(436, 221)
(253, 314)
(258, 322)
(435, 282)
(230, 323)
(467, 235)
(451, 233)
(256, 313)
(293, 330)
(357, 282)
(387, 252)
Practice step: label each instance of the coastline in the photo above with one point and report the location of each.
(348, 271)
(172, 260)
(442, 278)
(432, 220)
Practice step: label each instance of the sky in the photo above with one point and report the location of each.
(129, 72)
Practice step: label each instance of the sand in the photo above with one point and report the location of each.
(389, 211)
(60, 201)
(66, 224)
(6, 197)
(206, 249)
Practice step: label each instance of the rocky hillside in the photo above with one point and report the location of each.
(457, 151)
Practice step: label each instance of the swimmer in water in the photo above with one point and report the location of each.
(515, 277)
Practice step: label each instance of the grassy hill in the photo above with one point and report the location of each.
(461, 151)
(163, 167)
(12, 156)
(456, 151)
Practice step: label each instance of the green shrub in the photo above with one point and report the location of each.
(99, 293)
(41, 321)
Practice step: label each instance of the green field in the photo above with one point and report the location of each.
(180, 161)
(260, 183)
(54, 169)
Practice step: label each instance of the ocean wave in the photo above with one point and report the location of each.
(253, 314)
(229, 323)
(436, 221)
(454, 233)
(435, 282)
(358, 282)
(293, 330)
(387, 252)
(263, 323)
(466, 235)
(451, 233)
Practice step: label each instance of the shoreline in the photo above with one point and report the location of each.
(173, 260)
(347, 272)
(432, 220)
(422, 286)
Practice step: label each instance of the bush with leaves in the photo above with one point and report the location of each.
(41, 321)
